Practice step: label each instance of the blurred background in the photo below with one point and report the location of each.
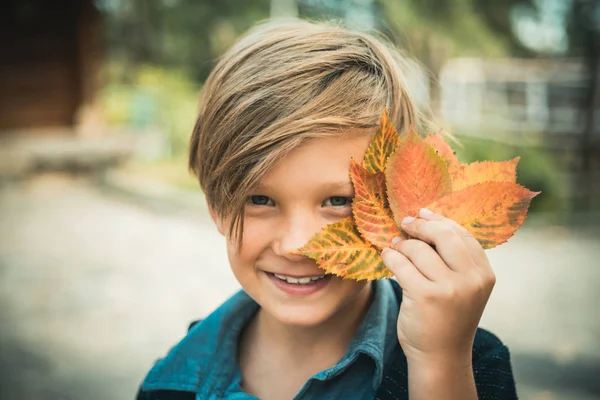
(106, 249)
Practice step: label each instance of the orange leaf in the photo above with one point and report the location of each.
(382, 145)
(415, 176)
(477, 172)
(400, 175)
(340, 250)
(443, 149)
(370, 207)
(491, 211)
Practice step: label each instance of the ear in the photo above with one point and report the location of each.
(219, 223)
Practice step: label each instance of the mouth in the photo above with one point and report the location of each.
(299, 285)
(305, 280)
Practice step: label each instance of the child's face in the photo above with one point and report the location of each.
(302, 193)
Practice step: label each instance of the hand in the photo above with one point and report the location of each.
(446, 280)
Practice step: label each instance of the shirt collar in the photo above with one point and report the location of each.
(200, 358)
(376, 336)
(202, 361)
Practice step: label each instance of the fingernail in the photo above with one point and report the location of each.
(423, 212)
(396, 239)
(408, 220)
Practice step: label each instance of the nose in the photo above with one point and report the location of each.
(293, 233)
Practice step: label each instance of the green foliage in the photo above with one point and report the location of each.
(445, 29)
(497, 17)
(181, 33)
(156, 99)
(537, 169)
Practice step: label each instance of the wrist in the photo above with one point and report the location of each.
(442, 377)
(441, 361)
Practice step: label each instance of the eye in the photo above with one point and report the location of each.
(338, 201)
(260, 201)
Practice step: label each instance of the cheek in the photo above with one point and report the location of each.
(254, 242)
(350, 288)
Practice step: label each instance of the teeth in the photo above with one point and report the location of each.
(299, 281)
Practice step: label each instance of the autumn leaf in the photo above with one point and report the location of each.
(490, 211)
(339, 249)
(382, 145)
(370, 207)
(415, 176)
(443, 149)
(400, 175)
(470, 174)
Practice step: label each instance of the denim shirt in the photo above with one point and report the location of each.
(205, 361)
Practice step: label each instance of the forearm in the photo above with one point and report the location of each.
(441, 380)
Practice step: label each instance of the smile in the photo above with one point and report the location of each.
(307, 280)
(299, 285)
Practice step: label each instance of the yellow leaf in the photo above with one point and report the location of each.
(382, 145)
(339, 249)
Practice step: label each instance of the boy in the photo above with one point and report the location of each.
(280, 117)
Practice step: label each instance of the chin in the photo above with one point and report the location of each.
(305, 317)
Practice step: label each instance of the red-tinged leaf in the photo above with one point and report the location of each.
(443, 149)
(339, 249)
(382, 145)
(372, 214)
(416, 176)
(491, 211)
(470, 174)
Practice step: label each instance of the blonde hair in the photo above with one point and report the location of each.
(282, 83)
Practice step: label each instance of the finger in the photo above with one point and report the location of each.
(477, 252)
(448, 245)
(424, 257)
(429, 215)
(408, 276)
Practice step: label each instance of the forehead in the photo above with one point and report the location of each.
(319, 161)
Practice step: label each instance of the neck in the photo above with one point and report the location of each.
(328, 340)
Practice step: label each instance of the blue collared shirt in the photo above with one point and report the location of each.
(205, 361)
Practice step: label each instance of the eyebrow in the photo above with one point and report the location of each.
(326, 186)
(339, 185)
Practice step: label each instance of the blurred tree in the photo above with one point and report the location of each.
(176, 33)
(284, 8)
(583, 27)
(497, 17)
(434, 31)
(355, 14)
(192, 34)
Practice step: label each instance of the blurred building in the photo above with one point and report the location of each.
(50, 61)
(50, 54)
(532, 101)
